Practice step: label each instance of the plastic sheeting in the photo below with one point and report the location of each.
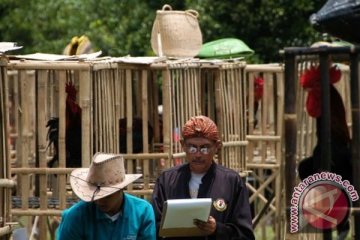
(340, 18)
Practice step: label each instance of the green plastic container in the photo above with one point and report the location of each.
(225, 48)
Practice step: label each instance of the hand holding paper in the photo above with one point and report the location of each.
(179, 214)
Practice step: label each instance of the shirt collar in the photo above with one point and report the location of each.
(101, 215)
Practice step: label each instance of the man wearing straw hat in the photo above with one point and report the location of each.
(106, 212)
(201, 177)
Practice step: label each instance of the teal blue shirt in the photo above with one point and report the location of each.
(86, 221)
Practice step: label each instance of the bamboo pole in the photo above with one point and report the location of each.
(85, 104)
(219, 111)
(261, 196)
(265, 184)
(250, 115)
(41, 146)
(269, 68)
(117, 92)
(36, 212)
(5, 145)
(167, 110)
(16, 106)
(7, 183)
(4, 149)
(290, 122)
(5, 230)
(129, 118)
(41, 170)
(279, 156)
(113, 133)
(22, 140)
(355, 103)
(263, 165)
(61, 138)
(48, 65)
(100, 114)
(108, 105)
(145, 120)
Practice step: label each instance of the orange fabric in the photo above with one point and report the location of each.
(200, 126)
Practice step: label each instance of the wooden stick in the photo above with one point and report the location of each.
(47, 65)
(5, 230)
(167, 110)
(7, 183)
(43, 170)
(61, 138)
(129, 118)
(36, 212)
(264, 185)
(270, 68)
(41, 123)
(145, 120)
(85, 104)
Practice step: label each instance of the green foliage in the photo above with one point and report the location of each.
(123, 27)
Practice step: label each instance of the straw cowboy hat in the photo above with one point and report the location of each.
(105, 176)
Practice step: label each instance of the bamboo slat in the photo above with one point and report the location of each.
(85, 104)
(23, 129)
(47, 65)
(129, 121)
(7, 183)
(36, 212)
(61, 181)
(5, 230)
(167, 110)
(5, 191)
(145, 120)
(41, 147)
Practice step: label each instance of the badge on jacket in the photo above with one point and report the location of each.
(220, 204)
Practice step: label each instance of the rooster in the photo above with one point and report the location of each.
(72, 131)
(258, 94)
(340, 137)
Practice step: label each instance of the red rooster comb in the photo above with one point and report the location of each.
(310, 80)
(71, 98)
(71, 91)
(258, 87)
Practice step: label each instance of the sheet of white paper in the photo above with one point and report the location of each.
(8, 46)
(139, 60)
(181, 213)
(44, 56)
(57, 57)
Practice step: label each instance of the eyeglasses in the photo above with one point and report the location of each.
(202, 149)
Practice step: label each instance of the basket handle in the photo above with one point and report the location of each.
(167, 7)
(193, 12)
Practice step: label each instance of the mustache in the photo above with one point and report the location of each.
(197, 160)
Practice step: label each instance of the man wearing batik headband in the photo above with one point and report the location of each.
(201, 177)
(106, 212)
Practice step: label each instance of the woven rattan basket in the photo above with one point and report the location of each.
(176, 33)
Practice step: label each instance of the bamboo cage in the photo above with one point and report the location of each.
(306, 132)
(39, 94)
(299, 124)
(6, 183)
(127, 90)
(224, 100)
(264, 152)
